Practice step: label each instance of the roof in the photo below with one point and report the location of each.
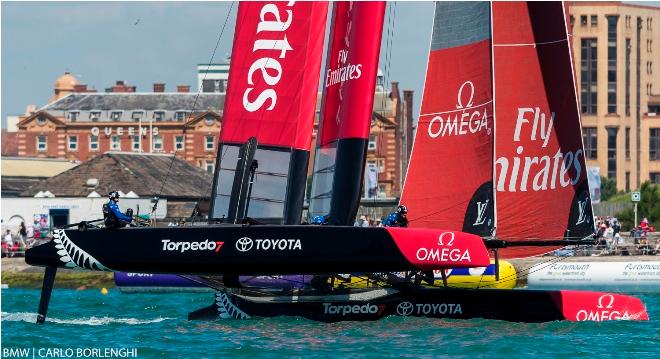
(34, 167)
(611, 3)
(144, 174)
(149, 101)
(13, 186)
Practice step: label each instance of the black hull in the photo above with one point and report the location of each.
(258, 250)
(373, 304)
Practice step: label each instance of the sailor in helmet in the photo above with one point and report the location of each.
(399, 218)
(112, 215)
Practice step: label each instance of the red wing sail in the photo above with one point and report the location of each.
(271, 96)
(275, 61)
(449, 181)
(349, 83)
(541, 184)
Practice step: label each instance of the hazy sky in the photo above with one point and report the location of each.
(147, 42)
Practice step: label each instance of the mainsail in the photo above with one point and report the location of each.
(541, 183)
(517, 172)
(346, 110)
(449, 181)
(271, 97)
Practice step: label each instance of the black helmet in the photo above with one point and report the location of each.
(402, 209)
(113, 195)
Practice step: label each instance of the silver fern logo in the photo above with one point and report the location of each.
(72, 255)
(227, 309)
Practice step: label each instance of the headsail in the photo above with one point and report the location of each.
(449, 181)
(346, 110)
(541, 182)
(271, 96)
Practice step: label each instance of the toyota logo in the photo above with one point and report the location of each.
(404, 308)
(244, 244)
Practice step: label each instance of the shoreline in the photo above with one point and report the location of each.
(17, 274)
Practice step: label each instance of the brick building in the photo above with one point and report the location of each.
(80, 124)
(617, 50)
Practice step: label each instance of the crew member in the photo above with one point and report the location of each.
(112, 215)
(398, 218)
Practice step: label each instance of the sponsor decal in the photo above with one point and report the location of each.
(481, 210)
(467, 118)
(367, 308)
(170, 246)
(267, 66)
(603, 311)
(407, 308)
(581, 212)
(444, 252)
(245, 244)
(404, 308)
(538, 173)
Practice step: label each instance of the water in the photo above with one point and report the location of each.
(156, 325)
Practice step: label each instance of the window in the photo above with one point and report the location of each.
(589, 76)
(94, 115)
(178, 143)
(654, 177)
(572, 21)
(135, 143)
(158, 143)
(137, 115)
(208, 166)
(611, 152)
(209, 142)
(115, 143)
(41, 120)
(654, 144)
(180, 115)
(73, 143)
(590, 138)
(217, 86)
(583, 20)
(627, 181)
(41, 143)
(115, 115)
(94, 143)
(628, 143)
(159, 115)
(381, 191)
(73, 115)
(611, 63)
(594, 20)
(372, 142)
(209, 120)
(628, 49)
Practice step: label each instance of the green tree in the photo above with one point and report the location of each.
(607, 188)
(648, 207)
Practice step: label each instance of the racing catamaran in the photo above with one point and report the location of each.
(498, 145)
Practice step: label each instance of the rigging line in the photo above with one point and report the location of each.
(193, 107)
(534, 44)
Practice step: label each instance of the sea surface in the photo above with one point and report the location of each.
(155, 325)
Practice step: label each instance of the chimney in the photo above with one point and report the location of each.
(183, 88)
(159, 87)
(80, 88)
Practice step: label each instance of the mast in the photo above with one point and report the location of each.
(346, 110)
(271, 97)
(449, 179)
(541, 184)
